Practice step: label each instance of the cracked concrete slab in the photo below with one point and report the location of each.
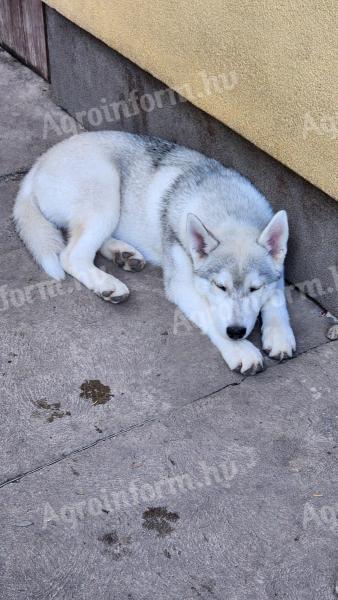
(233, 496)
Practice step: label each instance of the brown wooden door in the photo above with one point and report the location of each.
(22, 32)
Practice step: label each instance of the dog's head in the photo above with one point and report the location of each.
(234, 270)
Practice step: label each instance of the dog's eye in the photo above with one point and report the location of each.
(221, 287)
(254, 289)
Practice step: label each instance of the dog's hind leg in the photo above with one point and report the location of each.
(86, 237)
(124, 255)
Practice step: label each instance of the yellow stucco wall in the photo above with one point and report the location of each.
(279, 61)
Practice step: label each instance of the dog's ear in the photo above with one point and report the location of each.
(201, 241)
(275, 236)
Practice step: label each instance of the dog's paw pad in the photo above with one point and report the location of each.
(118, 260)
(129, 261)
(136, 264)
(109, 296)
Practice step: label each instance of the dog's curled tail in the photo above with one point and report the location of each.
(41, 237)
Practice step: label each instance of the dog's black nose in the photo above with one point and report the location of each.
(236, 332)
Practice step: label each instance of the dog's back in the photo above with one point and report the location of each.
(159, 184)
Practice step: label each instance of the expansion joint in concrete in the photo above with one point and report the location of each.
(20, 476)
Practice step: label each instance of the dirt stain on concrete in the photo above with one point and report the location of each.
(115, 546)
(159, 519)
(94, 390)
(208, 587)
(109, 538)
(54, 409)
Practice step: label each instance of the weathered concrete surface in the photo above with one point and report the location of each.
(253, 516)
(30, 121)
(9, 239)
(101, 73)
(96, 396)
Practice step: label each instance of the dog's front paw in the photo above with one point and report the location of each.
(279, 342)
(243, 357)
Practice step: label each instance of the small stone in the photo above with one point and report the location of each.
(332, 334)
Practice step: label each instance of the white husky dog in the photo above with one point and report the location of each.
(138, 198)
